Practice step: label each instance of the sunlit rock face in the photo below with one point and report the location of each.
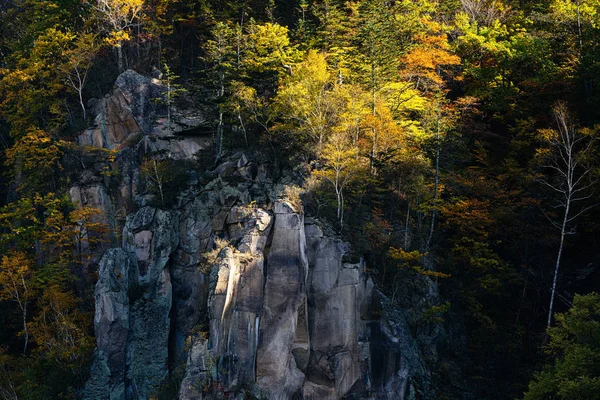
(232, 291)
(134, 113)
(277, 311)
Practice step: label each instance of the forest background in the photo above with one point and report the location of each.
(454, 139)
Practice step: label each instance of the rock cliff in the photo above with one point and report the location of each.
(233, 291)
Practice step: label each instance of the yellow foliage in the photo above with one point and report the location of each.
(15, 273)
(309, 99)
(116, 38)
(60, 329)
(412, 260)
(35, 158)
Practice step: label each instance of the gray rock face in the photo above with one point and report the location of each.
(233, 292)
(285, 315)
(135, 111)
(198, 372)
(111, 323)
(339, 301)
(281, 330)
(141, 93)
(236, 296)
(133, 303)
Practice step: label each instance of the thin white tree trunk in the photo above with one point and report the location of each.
(239, 115)
(560, 249)
(435, 195)
(407, 233)
(219, 144)
(342, 210)
(120, 56)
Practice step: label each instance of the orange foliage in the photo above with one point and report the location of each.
(432, 52)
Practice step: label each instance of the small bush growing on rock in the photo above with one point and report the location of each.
(291, 194)
(210, 257)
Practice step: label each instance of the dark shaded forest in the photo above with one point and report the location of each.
(452, 139)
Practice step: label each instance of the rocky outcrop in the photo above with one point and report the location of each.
(133, 304)
(285, 294)
(277, 312)
(135, 112)
(340, 296)
(233, 292)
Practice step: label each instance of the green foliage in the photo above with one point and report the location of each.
(418, 122)
(502, 60)
(572, 371)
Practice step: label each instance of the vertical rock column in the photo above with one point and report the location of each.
(151, 235)
(284, 295)
(235, 304)
(236, 297)
(111, 325)
(338, 294)
(133, 304)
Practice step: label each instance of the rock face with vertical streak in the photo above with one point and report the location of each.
(285, 294)
(277, 311)
(233, 293)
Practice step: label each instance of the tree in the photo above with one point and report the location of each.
(220, 52)
(503, 63)
(412, 260)
(573, 370)
(242, 100)
(172, 91)
(88, 231)
(576, 25)
(60, 330)
(384, 136)
(386, 32)
(565, 157)
(438, 121)
(15, 285)
(427, 60)
(31, 87)
(380, 49)
(119, 15)
(79, 62)
(268, 51)
(309, 100)
(341, 167)
(158, 171)
(35, 160)
(484, 12)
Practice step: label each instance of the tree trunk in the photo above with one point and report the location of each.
(25, 330)
(239, 115)
(560, 249)
(373, 151)
(120, 56)
(342, 210)
(407, 233)
(219, 141)
(82, 105)
(339, 203)
(159, 183)
(435, 195)
(169, 105)
(23, 307)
